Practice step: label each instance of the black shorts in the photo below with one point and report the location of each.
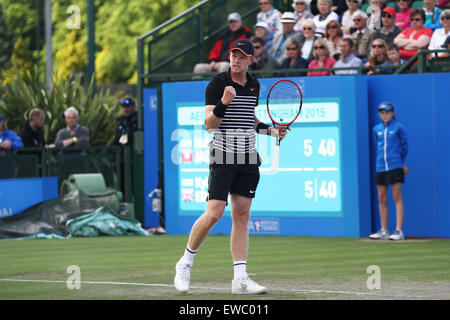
(390, 177)
(241, 179)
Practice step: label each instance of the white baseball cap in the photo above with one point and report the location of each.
(261, 24)
(234, 17)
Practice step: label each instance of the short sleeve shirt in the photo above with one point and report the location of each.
(236, 133)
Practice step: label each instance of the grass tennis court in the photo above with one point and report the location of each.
(291, 267)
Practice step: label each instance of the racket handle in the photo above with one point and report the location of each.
(276, 156)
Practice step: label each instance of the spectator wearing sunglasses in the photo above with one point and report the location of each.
(126, 123)
(322, 59)
(301, 11)
(414, 38)
(361, 37)
(333, 36)
(307, 39)
(402, 16)
(388, 30)
(432, 15)
(263, 60)
(294, 58)
(439, 35)
(346, 18)
(378, 56)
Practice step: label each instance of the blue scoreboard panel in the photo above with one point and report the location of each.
(323, 162)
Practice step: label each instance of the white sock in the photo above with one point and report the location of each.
(188, 257)
(240, 269)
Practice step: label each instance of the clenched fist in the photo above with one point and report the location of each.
(228, 95)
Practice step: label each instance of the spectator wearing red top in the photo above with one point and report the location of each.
(402, 16)
(219, 54)
(414, 38)
(322, 59)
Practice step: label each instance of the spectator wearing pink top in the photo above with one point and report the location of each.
(322, 59)
(402, 17)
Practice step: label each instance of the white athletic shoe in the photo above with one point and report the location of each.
(380, 235)
(246, 285)
(397, 235)
(182, 277)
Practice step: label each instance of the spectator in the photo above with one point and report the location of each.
(322, 59)
(294, 58)
(333, 36)
(444, 4)
(219, 54)
(10, 142)
(278, 50)
(325, 15)
(394, 59)
(126, 124)
(301, 13)
(347, 19)
(374, 20)
(263, 60)
(439, 35)
(411, 39)
(361, 37)
(432, 15)
(378, 56)
(402, 16)
(389, 30)
(392, 150)
(262, 31)
(339, 6)
(307, 40)
(32, 133)
(73, 135)
(347, 58)
(446, 46)
(269, 15)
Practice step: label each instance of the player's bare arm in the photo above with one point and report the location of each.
(212, 120)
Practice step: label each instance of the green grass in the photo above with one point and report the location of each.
(291, 268)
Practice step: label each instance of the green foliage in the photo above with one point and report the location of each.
(118, 24)
(97, 112)
(6, 43)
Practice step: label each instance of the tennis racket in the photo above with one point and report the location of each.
(284, 104)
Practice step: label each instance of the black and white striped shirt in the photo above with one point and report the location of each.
(236, 133)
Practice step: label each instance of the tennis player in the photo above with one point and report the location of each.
(231, 98)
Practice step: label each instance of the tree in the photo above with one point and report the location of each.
(6, 42)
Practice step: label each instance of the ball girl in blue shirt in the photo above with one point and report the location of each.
(392, 147)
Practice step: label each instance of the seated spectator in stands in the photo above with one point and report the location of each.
(269, 15)
(411, 39)
(378, 56)
(432, 15)
(325, 15)
(347, 58)
(9, 140)
(374, 20)
(294, 59)
(404, 11)
(262, 31)
(333, 36)
(219, 54)
(339, 6)
(394, 59)
(322, 59)
(446, 45)
(301, 13)
(361, 37)
(263, 60)
(389, 30)
(278, 50)
(439, 35)
(307, 40)
(32, 133)
(347, 19)
(73, 135)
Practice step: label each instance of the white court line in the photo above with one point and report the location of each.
(204, 288)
